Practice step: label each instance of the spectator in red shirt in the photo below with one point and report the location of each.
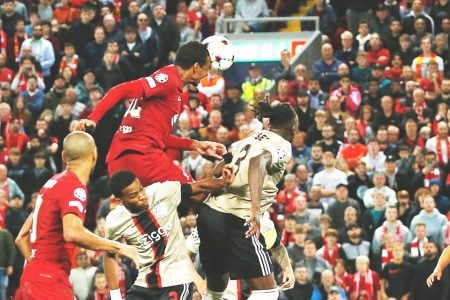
(6, 74)
(377, 54)
(354, 150)
(286, 197)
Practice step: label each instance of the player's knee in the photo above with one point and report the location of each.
(210, 295)
(264, 295)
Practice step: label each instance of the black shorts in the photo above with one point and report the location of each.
(176, 292)
(225, 249)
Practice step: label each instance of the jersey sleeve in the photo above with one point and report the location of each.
(193, 242)
(73, 199)
(281, 153)
(169, 192)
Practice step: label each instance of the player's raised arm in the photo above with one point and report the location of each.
(23, 238)
(257, 170)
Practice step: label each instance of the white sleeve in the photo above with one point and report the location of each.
(193, 242)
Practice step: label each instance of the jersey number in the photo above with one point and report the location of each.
(242, 155)
(35, 216)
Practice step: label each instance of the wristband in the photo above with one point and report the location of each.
(115, 294)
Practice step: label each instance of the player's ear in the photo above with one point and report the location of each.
(64, 156)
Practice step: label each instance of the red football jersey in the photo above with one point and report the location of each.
(154, 104)
(63, 194)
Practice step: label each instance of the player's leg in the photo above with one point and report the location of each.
(149, 167)
(250, 260)
(214, 250)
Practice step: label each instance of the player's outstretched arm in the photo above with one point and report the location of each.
(110, 264)
(257, 170)
(75, 232)
(444, 261)
(23, 238)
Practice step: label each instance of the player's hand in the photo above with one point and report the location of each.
(130, 252)
(288, 279)
(9, 271)
(213, 149)
(228, 174)
(255, 226)
(437, 274)
(85, 124)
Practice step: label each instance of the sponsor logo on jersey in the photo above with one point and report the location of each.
(161, 77)
(161, 210)
(125, 129)
(80, 194)
(148, 239)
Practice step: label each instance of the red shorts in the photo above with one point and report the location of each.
(41, 281)
(150, 167)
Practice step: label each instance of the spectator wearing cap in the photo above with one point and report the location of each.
(6, 74)
(435, 221)
(303, 288)
(337, 208)
(347, 53)
(396, 180)
(255, 81)
(37, 176)
(325, 69)
(304, 111)
(328, 22)
(167, 32)
(377, 54)
(392, 225)
(133, 50)
(326, 287)
(442, 201)
(420, 63)
(353, 150)
(382, 20)
(336, 293)
(329, 178)
(317, 96)
(355, 246)
(417, 10)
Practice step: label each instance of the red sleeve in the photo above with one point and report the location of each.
(129, 90)
(73, 200)
(176, 142)
(384, 52)
(376, 281)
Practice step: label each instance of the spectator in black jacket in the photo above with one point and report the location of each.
(303, 288)
(82, 31)
(95, 49)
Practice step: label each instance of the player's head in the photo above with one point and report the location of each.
(79, 148)
(194, 60)
(128, 190)
(282, 118)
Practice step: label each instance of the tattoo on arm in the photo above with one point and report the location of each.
(280, 255)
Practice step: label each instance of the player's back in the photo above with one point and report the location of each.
(236, 198)
(60, 195)
(149, 120)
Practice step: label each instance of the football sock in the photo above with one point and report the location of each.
(210, 295)
(264, 295)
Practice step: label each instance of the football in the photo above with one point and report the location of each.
(221, 51)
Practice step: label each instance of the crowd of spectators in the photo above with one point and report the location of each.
(364, 202)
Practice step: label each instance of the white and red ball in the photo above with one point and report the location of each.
(221, 51)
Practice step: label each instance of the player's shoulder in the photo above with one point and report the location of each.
(116, 217)
(67, 182)
(167, 75)
(163, 191)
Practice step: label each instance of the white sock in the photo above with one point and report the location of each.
(210, 295)
(264, 295)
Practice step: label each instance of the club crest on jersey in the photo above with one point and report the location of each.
(80, 194)
(161, 210)
(162, 77)
(281, 154)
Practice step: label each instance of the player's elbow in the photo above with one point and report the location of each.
(71, 236)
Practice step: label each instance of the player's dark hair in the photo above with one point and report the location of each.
(119, 181)
(280, 115)
(191, 53)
